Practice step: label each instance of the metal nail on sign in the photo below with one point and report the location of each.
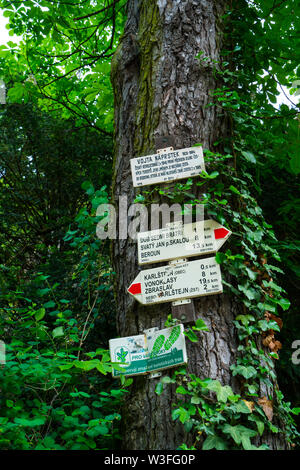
(152, 351)
(180, 241)
(167, 166)
(181, 281)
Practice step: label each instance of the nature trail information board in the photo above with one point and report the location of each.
(142, 354)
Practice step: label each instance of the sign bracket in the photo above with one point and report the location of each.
(154, 375)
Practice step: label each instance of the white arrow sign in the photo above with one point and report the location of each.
(181, 241)
(167, 166)
(177, 281)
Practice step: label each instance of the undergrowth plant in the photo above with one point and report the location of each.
(56, 392)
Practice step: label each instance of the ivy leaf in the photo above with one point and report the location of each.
(191, 335)
(182, 414)
(200, 325)
(245, 319)
(241, 407)
(214, 442)
(249, 292)
(260, 424)
(240, 434)
(245, 371)
(222, 392)
(284, 303)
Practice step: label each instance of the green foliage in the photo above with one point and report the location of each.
(43, 161)
(56, 302)
(221, 420)
(55, 392)
(63, 60)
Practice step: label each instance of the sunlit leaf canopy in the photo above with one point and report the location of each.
(63, 59)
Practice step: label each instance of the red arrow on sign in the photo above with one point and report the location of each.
(135, 289)
(221, 233)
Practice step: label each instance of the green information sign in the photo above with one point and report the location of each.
(149, 352)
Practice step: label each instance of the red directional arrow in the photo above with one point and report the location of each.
(135, 289)
(220, 233)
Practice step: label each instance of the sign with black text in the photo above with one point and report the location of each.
(167, 166)
(180, 241)
(177, 281)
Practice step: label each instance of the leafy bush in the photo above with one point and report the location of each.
(55, 392)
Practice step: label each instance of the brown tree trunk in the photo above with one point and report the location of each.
(161, 88)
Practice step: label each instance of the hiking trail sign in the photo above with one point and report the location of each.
(152, 351)
(180, 241)
(182, 280)
(167, 165)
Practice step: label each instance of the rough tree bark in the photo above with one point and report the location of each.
(162, 89)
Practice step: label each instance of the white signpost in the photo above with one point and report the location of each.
(167, 166)
(177, 281)
(155, 350)
(181, 241)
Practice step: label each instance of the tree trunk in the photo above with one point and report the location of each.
(161, 88)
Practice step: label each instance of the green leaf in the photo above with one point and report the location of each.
(245, 371)
(249, 156)
(182, 414)
(39, 314)
(214, 442)
(245, 319)
(191, 335)
(195, 400)
(220, 257)
(159, 388)
(16, 93)
(222, 392)
(181, 390)
(240, 434)
(284, 303)
(249, 292)
(29, 422)
(241, 407)
(260, 424)
(49, 304)
(234, 190)
(58, 332)
(200, 325)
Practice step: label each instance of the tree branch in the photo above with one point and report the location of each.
(89, 15)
